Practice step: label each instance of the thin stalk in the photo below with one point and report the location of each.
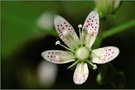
(118, 29)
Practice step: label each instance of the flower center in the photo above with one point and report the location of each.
(82, 53)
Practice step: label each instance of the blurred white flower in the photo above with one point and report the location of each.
(47, 73)
(45, 21)
(116, 4)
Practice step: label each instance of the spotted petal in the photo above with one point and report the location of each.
(90, 28)
(105, 54)
(81, 73)
(58, 56)
(66, 32)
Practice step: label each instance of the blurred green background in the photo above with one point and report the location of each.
(23, 39)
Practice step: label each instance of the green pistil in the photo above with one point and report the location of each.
(82, 53)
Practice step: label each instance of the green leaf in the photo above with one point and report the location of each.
(17, 30)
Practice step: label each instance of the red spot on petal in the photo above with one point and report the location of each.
(63, 28)
(58, 25)
(68, 28)
(48, 52)
(48, 56)
(61, 24)
(64, 22)
(66, 25)
(109, 50)
(108, 54)
(89, 18)
(112, 52)
(93, 16)
(96, 22)
(95, 19)
(56, 60)
(52, 52)
(92, 20)
(95, 27)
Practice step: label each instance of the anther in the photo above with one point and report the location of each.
(80, 26)
(93, 65)
(57, 42)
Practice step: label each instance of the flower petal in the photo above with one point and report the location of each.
(81, 73)
(105, 54)
(58, 56)
(90, 28)
(66, 32)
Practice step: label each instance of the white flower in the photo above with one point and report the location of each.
(45, 20)
(116, 3)
(79, 50)
(47, 73)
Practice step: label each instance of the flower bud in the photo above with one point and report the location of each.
(105, 7)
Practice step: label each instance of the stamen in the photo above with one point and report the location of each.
(80, 33)
(58, 43)
(93, 65)
(73, 64)
(72, 41)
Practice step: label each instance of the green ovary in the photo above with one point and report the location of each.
(82, 53)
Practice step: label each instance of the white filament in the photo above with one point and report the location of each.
(58, 43)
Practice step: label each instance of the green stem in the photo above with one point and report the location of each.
(118, 29)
